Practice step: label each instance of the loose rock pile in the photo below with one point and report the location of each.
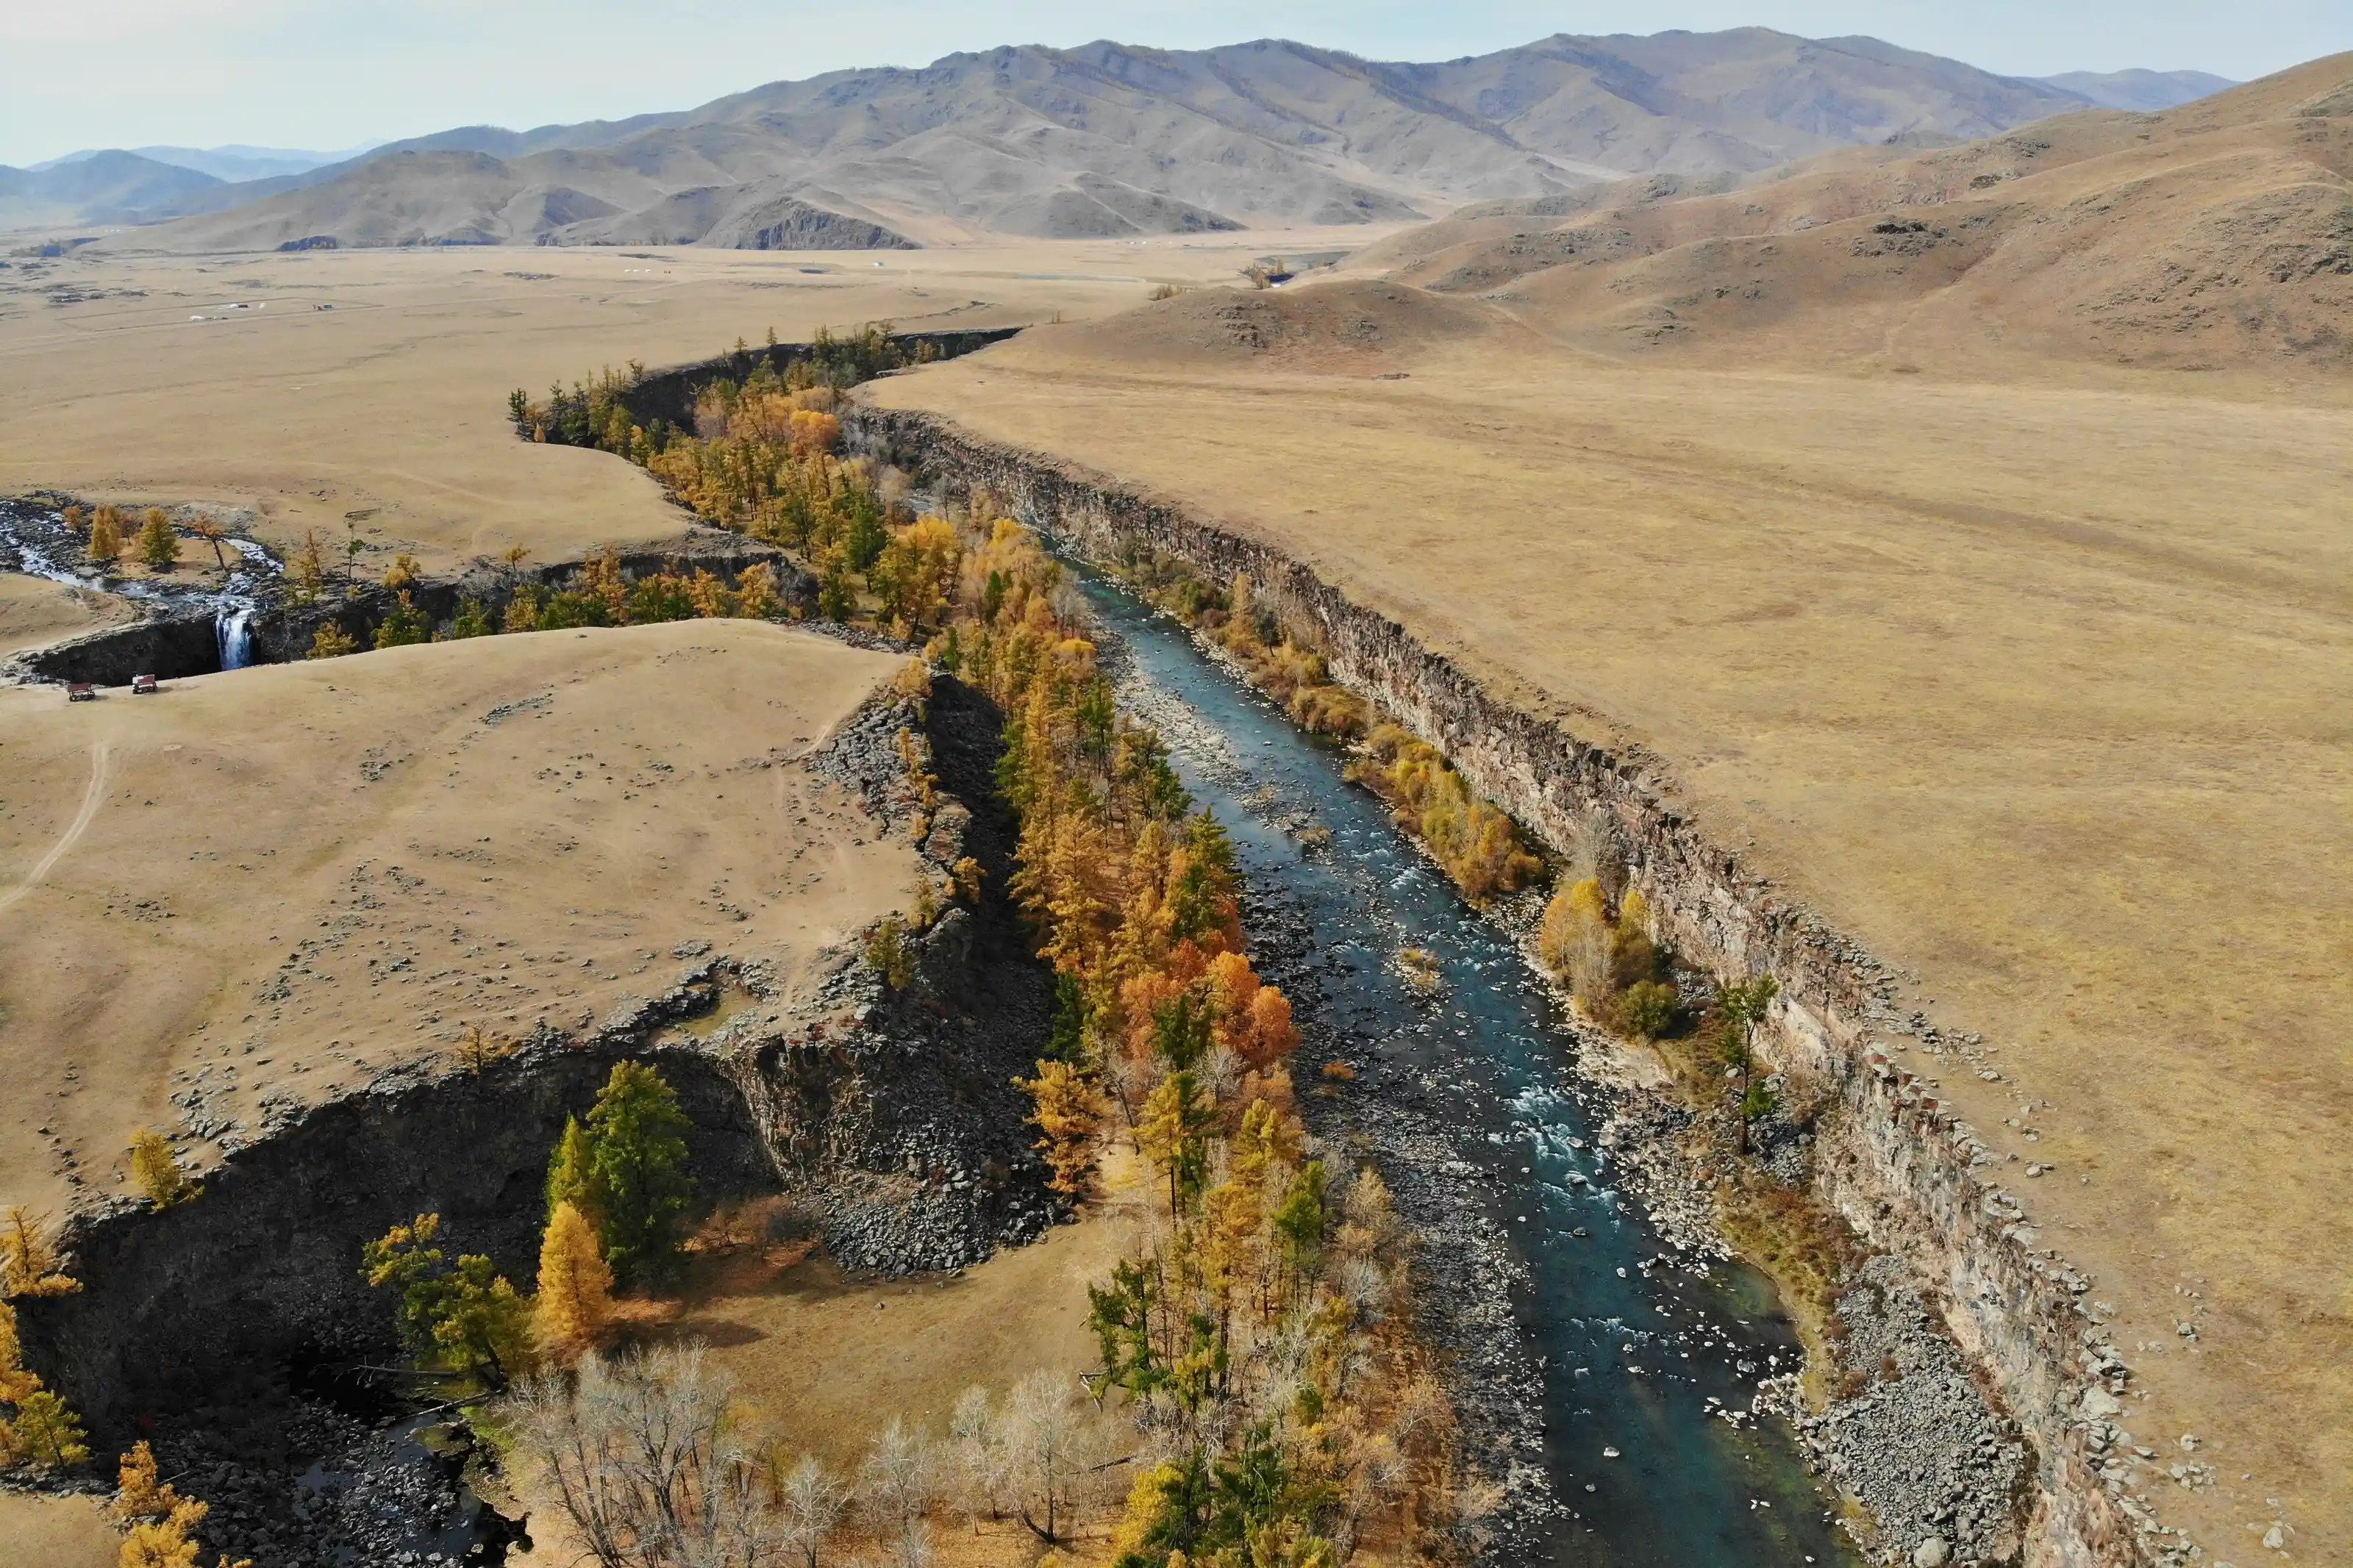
(376, 1492)
(1912, 1435)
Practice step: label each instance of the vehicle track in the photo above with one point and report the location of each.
(90, 799)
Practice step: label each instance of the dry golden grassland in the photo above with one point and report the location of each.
(2037, 687)
(393, 403)
(34, 612)
(282, 880)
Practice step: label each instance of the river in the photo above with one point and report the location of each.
(1636, 1347)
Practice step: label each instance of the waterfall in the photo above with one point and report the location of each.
(233, 629)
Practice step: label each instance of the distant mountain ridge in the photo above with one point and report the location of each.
(2142, 91)
(1108, 140)
(233, 163)
(105, 187)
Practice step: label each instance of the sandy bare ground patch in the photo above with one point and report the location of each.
(2036, 688)
(265, 887)
(35, 612)
(57, 1532)
(392, 403)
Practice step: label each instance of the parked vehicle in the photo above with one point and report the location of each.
(80, 691)
(143, 686)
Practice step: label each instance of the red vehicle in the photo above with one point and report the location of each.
(143, 686)
(80, 691)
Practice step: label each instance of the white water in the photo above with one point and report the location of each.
(233, 626)
(33, 540)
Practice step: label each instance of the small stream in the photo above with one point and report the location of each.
(34, 540)
(1642, 1345)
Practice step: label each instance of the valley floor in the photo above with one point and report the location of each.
(370, 387)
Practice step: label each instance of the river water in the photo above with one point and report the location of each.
(1641, 1345)
(35, 539)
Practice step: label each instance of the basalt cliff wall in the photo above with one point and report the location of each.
(1900, 1166)
(175, 646)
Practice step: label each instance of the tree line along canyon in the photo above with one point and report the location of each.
(1132, 807)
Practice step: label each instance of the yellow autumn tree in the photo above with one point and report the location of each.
(477, 1048)
(331, 641)
(15, 1381)
(156, 1516)
(918, 569)
(601, 579)
(308, 568)
(1068, 1112)
(1633, 913)
(157, 1170)
(105, 536)
(755, 592)
(1577, 941)
(29, 1258)
(576, 1285)
(713, 598)
(159, 547)
(138, 1495)
(164, 1542)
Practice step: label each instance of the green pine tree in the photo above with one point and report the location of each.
(1068, 1043)
(637, 1152)
(867, 536)
(403, 625)
(470, 621)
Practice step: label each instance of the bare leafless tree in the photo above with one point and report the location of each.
(983, 1460)
(1589, 971)
(899, 1481)
(1600, 854)
(1222, 1073)
(1046, 1439)
(210, 531)
(644, 1462)
(812, 1502)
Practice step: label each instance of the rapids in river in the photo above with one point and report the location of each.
(1639, 1345)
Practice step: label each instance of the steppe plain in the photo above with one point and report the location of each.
(392, 403)
(2028, 671)
(272, 885)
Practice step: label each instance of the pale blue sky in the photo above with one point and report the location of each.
(333, 73)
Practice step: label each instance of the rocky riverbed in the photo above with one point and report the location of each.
(1941, 1473)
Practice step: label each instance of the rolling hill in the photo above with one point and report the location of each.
(233, 163)
(2215, 234)
(1109, 140)
(105, 187)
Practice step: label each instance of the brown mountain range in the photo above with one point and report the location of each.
(2212, 234)
(1109, 140)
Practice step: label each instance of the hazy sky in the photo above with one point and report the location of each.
(335, 73)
